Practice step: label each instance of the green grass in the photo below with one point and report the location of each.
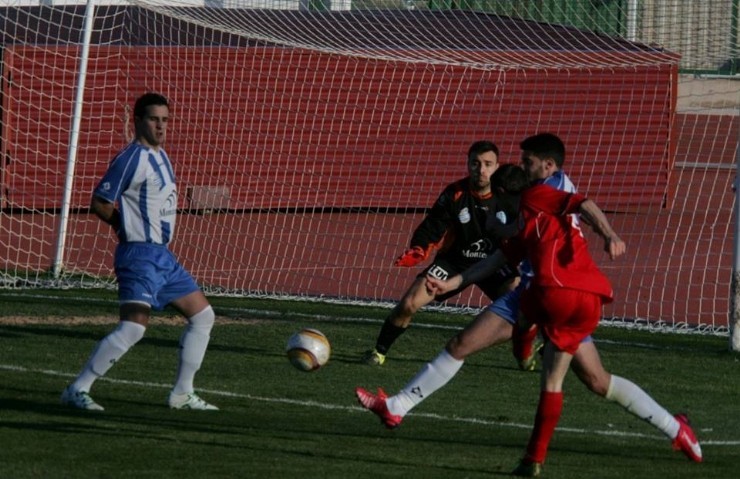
(276, 421)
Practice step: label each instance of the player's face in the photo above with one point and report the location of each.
(537, 168)
(151, 128)
(480, 170)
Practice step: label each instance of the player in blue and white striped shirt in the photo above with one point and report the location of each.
(141, 180)
(137, 196)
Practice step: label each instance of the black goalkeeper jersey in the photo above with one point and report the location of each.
(456, 226)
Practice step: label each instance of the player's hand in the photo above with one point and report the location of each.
(615, 247)
(411, 257)
(436, 286)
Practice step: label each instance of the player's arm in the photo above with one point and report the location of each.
(422, 242)
(106, 211)
(549, 200)
(474, 274)
(596, 218)
(429, 234)
(435, 224)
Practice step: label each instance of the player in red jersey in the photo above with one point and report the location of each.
(542, 154)
(565, 296)
(455, 227)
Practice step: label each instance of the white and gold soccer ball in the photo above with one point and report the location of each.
(308, 349)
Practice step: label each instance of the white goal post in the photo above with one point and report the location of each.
(309, 138)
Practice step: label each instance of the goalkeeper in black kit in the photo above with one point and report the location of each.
(455, 228)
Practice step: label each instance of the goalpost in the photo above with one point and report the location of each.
(309, 141)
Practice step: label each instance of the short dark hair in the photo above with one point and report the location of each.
(480, 147)
(511, 178)
(146, 100)
(507, 184)
(545, 145)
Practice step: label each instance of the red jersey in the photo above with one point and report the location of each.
(555, 246)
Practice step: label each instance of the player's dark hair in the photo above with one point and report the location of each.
(545, 145)
(507, 184)
(510, 178)
(146, 100)
(480, 147)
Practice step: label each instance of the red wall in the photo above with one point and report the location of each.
(283, 128)
(286, 128)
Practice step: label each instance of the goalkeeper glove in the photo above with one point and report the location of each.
(411, 257)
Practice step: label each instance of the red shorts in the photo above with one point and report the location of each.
(566, 316)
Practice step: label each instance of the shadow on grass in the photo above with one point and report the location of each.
(262, 434)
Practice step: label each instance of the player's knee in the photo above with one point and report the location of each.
(127, 333)
(405, 309)
(596, 383)
(204, 319)
(599, 388)
(456, 347)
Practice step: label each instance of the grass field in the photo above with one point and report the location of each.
(277, 422)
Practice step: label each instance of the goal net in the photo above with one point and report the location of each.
(310, 137)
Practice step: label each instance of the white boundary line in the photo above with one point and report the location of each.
(320, 405)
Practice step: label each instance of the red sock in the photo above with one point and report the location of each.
(522, 340)
(548, 415)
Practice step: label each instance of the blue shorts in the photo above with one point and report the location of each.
(507, 305)
(149, 273)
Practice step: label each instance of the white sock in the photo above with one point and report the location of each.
(193, 344)
(432, 376)
(108, 351)
(639, 403)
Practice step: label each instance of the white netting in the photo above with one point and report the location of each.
(309, 141)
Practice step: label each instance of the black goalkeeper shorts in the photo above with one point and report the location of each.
(443, 269)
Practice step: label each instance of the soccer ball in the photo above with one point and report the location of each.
(308, 349)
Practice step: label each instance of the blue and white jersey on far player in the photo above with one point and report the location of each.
(560, 181)
(142, 181)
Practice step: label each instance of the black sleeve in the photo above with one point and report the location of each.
(483, 269)
(437, 221)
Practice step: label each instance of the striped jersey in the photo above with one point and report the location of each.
(560, 181)
(142, 182)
